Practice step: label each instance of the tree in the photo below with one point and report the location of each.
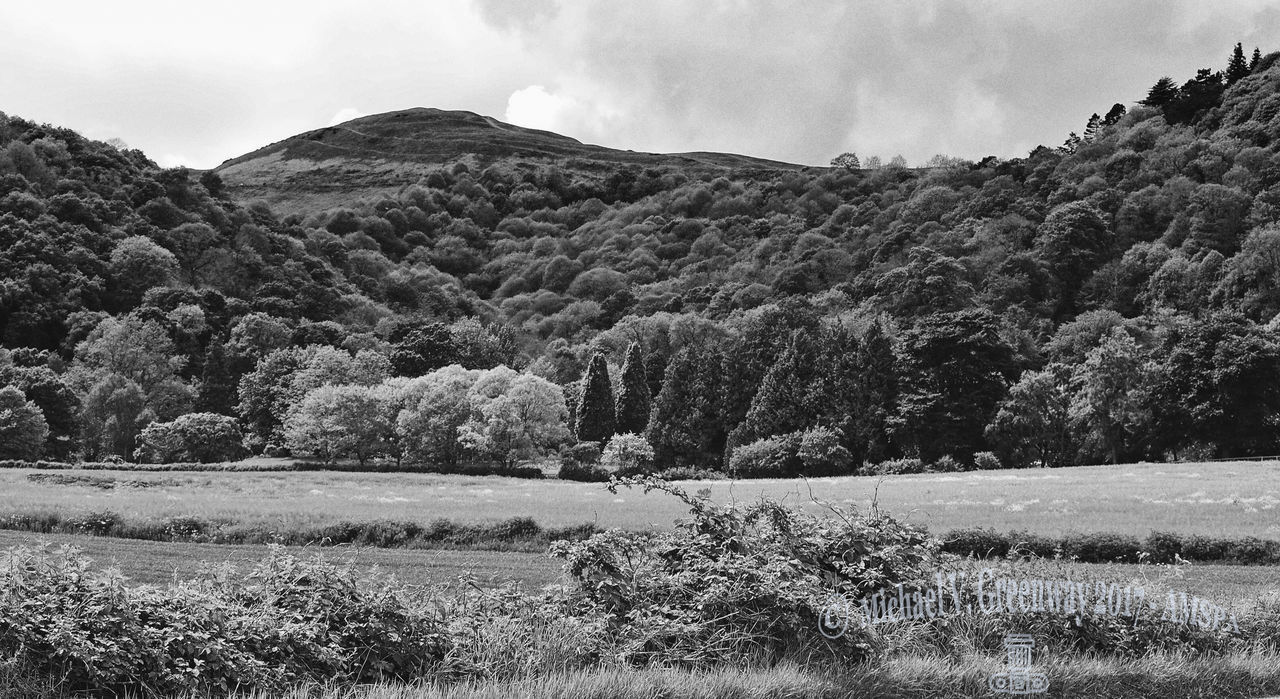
(1073, 241)
(595, 419)
(57, 402)
(194, 247)
(634, 399)
(112, 414)
(23, 429)
(1114, 115)
(199, 437)
(955, 368)
(1253, 61)
(218, 382)
(1033, 424)
(336, 421)
(137, 264)
(1237, 67)
(847, 161)
(1111, 400)
(686, 425)
(1164, 92)
(524, 419)
(1091, 128)
(436, 406)
(627, 454)
(139, 350)
(1217, 384)
(421, 349)
(782, 404)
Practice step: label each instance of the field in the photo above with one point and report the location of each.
(1210, 498)
(1226, 499)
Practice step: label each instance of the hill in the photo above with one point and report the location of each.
(1112, 298)
(381, 154)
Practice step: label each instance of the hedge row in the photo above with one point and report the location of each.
(381, 467)
(1101, 547)
(515, 534)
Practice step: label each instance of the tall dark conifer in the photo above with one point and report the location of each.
(1237, 67)
(595, 417)
(218, 382)
(632, 408)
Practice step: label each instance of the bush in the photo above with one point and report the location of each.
(735, 581)
(575, 471)
(946, 464)
(986, 461)
(285, 623)
(1102, 548)
(627, 455)
(980, 543)
(686, 473)
(894, 467)
(772, 457)
(199, 437)
(582, 453)
(821, 453)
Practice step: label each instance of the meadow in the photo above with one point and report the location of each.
(1225, 499)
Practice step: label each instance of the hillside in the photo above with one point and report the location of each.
(381, 154)
(1114, 298)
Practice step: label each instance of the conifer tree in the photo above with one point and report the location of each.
(1162, 93)
(218, 382)
(1091, 128)
(782, 403)
(595, 420)
(685, 428)
(632, 408)
(1237, 67)
(1253, 62)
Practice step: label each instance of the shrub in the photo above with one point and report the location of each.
(1163, 547)
(1102, 548)
(576, 471)
(946, 464)
(986, 461)
(771, 457)
(734, 581)
(686, 473)
(627, 455)
(286, 622)
(894, 467)
(200, 437)
(981, 543)
(582, 453)
(821, 453)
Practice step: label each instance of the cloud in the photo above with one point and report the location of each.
(796, 81)
(535, 107)
(346, 114)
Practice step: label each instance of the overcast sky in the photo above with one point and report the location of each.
(196, 83)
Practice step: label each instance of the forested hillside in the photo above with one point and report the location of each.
(1110, 299)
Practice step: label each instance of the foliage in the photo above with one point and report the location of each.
(634, 400)
(514, 417)
(595, 420)
(627, 454)
(763, 573)
(23, 429)
(199, 437)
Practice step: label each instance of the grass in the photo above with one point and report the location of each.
(155, 562)
(1157, 676)
(1223, 499)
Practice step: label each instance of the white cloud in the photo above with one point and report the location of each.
(535, 108)
(346, 114)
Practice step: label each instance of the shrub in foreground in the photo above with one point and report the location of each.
(733, 580)
(286, 623)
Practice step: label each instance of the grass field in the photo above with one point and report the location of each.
(1224, 499)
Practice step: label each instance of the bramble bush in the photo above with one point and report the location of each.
(740, 581)
(286, 623)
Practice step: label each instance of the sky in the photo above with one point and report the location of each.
(800, 81)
